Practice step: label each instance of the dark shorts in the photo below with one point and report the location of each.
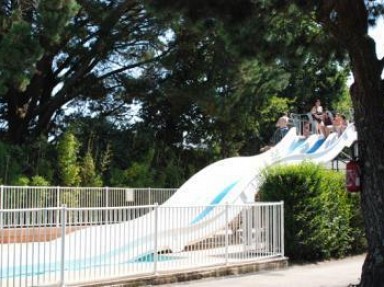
(316, 118)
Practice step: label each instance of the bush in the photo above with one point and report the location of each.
(321, 218)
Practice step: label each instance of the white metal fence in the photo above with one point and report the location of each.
(16, 197)
(74, 245)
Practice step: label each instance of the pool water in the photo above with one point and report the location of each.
(151, 258)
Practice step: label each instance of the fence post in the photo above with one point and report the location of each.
(58, 196)
(155, 255)
(149, 196)
(1, 226)
(226, 233)
(63, 211)
(57, 204)
(282, 228)
(1, 205)
(106, 197)
(106, 205)
(2, 196)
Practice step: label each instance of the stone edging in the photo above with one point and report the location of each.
(185, 275)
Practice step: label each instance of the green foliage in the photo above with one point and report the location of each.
(54, 17)
(343, 105)
(138, 175)
(21, 198)
(88, 173)
(22, 181)
(10, 163)
(39, 181)
(359, 243)
(19, 50)
(117, 177)
(33, 181)
(77, 44)
(320, 216)
(106, 158)
(71, 197)
(67, 153)
(247, 122)
(264, 53)
(272, 109)
(20, 164)
(40, 155)
(173, 173)
(215, 92)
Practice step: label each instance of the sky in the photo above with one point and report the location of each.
(377, 33)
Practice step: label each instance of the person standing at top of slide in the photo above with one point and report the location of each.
(317, 110)
(282, 124)
(318, 114)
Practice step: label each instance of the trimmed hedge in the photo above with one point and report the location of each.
(322, 220)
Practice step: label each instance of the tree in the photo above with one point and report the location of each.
(88, 172)
(211, 95)
(68, 166)
(64, 56)
(65, 60)
(348, 23)
(344, 25)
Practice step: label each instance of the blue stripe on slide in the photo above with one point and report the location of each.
(215, 201)
(316, 146)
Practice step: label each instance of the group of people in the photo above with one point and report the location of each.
(325, 124)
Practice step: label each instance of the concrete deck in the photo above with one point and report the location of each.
(334, 273)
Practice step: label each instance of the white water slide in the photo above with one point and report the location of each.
(229, 181)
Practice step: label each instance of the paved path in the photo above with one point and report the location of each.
(334, 273)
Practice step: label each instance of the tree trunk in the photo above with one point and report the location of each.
(368, 103)
(16, 116)
(25, 113)
(371, 150)
(348, 22)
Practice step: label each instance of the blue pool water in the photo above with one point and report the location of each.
(151, 258)
(44, 268)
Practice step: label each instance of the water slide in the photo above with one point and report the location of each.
(229, 181)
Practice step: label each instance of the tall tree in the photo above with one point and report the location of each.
(71, 55)
(345, 25)
(348, 23)
(210, 94)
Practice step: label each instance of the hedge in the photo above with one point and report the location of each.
(322, 220)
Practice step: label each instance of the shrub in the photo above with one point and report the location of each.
(317, 209)
(39, 181)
